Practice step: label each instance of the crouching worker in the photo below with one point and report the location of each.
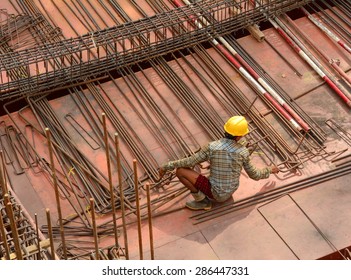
(227, 157)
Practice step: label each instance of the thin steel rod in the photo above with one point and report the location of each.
(58, 204)
(316, 227)
(149, 211)
(37, 234)
(282, 239)
(3, 174)
(95, 233)
(4, 237)
(283, 57)
(121, 194)
(14, 231)
(137, 201)
(51, 237)
(128, 135)
(113, 204)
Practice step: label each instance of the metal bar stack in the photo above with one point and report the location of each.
(105, 50)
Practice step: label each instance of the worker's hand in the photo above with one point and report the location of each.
(161, 173)
(274, 169)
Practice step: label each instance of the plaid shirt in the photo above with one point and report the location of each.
(226, 158)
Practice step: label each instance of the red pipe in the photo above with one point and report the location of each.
(284, 108)
(340, 71)
(330, 34)
(311, 63)
(265, 93)
(324, 55)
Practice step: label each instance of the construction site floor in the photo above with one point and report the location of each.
(309, 223)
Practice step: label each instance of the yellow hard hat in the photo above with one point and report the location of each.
(237, 126)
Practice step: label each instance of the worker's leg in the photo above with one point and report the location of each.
(191, 179)
(188, 177)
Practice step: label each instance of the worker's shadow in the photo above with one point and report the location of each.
(224, 215)
(203, 226)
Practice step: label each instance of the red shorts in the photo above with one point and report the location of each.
(203, 184)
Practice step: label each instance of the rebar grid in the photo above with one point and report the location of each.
(18, 230)
(49, 65)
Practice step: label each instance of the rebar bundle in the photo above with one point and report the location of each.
(51, 65)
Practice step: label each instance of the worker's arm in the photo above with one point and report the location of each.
(190, 161)
(256, 173)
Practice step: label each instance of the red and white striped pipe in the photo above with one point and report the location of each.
(342, 73)
(329, 33)
(332, 62)
(272, 96)
(289, 37)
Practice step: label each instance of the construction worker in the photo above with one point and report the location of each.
(227, 157)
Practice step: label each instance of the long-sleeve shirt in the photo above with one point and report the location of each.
(226, 158)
